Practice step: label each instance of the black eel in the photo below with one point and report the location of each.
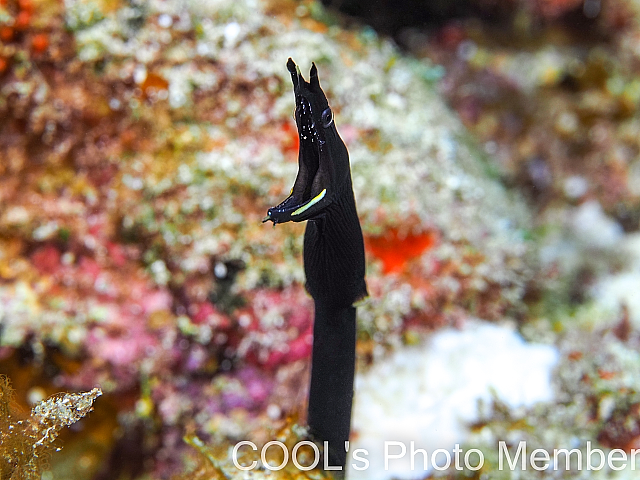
(334, 262)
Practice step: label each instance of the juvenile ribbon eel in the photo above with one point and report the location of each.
(334, 262)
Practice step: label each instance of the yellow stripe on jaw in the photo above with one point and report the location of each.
(310, 203)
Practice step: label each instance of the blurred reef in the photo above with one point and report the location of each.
(496, 180)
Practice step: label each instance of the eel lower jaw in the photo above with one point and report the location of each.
(307, 205)
(291, 209)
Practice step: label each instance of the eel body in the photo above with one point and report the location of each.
(334, 261)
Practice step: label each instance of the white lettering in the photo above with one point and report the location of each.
(590, 453)
(634, 460)
(388, 456)
(263, 455)
(567, 458)
(234, 455)
(535, 458)
(357, 458)
(316, 455)
(434, 455)
(522, 450)
(425, 457)
(611, 459)
(456, 454)
(480, 459)
(326, 459)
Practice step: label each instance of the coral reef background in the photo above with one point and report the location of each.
(495, 165)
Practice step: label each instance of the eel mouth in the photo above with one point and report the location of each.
(311, 145)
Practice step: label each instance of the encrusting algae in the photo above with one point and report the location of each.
(26, 442)
(140, 149)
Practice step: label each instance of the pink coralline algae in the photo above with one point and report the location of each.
(255, 390)
(278, 326)
(207, 313)
(122, 348)
(46, 259)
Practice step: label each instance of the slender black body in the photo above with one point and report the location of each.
(334, 261)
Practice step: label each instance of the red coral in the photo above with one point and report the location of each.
(396, 248)
(40, 42)
(6, 33)
(290, 142)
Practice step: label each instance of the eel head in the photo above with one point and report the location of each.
(323, 161)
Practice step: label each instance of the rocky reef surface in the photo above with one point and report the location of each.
(141, 144)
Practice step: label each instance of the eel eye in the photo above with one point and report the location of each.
(327, 118)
